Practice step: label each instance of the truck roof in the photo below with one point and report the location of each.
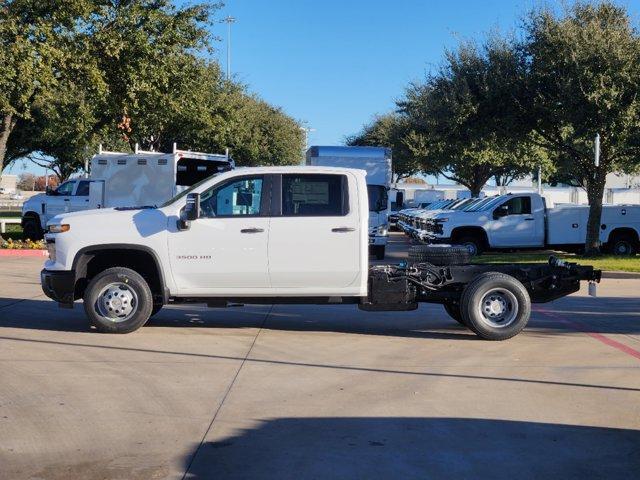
(300, 169)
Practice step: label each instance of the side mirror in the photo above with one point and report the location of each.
(49, 190)
(192, 208)
(501, 211)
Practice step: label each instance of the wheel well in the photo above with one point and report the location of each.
(90, 263)
(29, 215)
(475, 232)
(623, 232)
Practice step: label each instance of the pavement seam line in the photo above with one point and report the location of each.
(226, 393)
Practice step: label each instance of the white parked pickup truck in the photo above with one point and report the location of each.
(122, 179)
(276, 235)
(523, 221)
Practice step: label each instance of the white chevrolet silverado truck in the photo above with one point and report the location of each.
(522, 221)
(276, 235)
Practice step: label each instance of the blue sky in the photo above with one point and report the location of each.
(334, 64)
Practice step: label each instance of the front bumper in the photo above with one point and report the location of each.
(58, 285)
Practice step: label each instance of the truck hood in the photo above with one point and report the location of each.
(111, 222)
(39, 198)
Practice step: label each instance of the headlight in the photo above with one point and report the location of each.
(442, 220)
(64, 227)
(382, 230)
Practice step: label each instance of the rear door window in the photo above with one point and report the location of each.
(314, 195)
(83, 188)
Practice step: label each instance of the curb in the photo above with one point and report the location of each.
(22, 253)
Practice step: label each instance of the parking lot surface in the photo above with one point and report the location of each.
(296, 392)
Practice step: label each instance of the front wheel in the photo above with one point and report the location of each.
(32, 230)
(473, 244)
(118, 300)
(378, 251)
(495, 306)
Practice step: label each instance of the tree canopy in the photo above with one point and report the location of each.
(77, 73)
(391, 130)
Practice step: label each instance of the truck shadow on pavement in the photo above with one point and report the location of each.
(613, 315)
(408, 448)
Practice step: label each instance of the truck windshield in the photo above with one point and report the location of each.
(483, 204)
(188, 190)
(378, 198)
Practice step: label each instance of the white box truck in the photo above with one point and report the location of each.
(288, 235)
(376, 161)
(123, 180)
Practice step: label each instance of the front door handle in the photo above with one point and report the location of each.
(343, 229)
(252, 230)
(529, 219)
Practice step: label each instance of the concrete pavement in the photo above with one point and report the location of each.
(317, 392)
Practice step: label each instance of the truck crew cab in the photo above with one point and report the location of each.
(275, 235)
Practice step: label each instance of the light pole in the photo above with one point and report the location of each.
(229, 20)
(306, 131)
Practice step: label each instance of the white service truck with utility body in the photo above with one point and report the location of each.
(274, 235)
(376, 161)
(122, 180)
(522, 221)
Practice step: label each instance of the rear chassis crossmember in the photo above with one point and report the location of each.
(402, 287)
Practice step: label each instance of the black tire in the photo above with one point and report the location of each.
(474, 245)
(131, 281)
(453, 309)
(624, 246)
(441, 255)
(377, 251)
(31, 229)
(510, 295)
(156, 309)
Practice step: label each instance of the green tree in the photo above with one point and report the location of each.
(582, 77)
(391, 130)
(33, 36)
(460, 131)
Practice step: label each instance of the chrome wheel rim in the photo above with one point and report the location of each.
(117, 302)
(622, 248)
(498, 308)
(473, 250)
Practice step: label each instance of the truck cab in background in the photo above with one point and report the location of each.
(523, 221)
(120, 179)
(376, 161)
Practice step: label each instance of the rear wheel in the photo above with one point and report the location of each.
(118, 300)
(31, 228)
(453, 309)
(624, 245)
(495, 306)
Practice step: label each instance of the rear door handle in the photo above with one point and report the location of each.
(252, 230)
(343, 229)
